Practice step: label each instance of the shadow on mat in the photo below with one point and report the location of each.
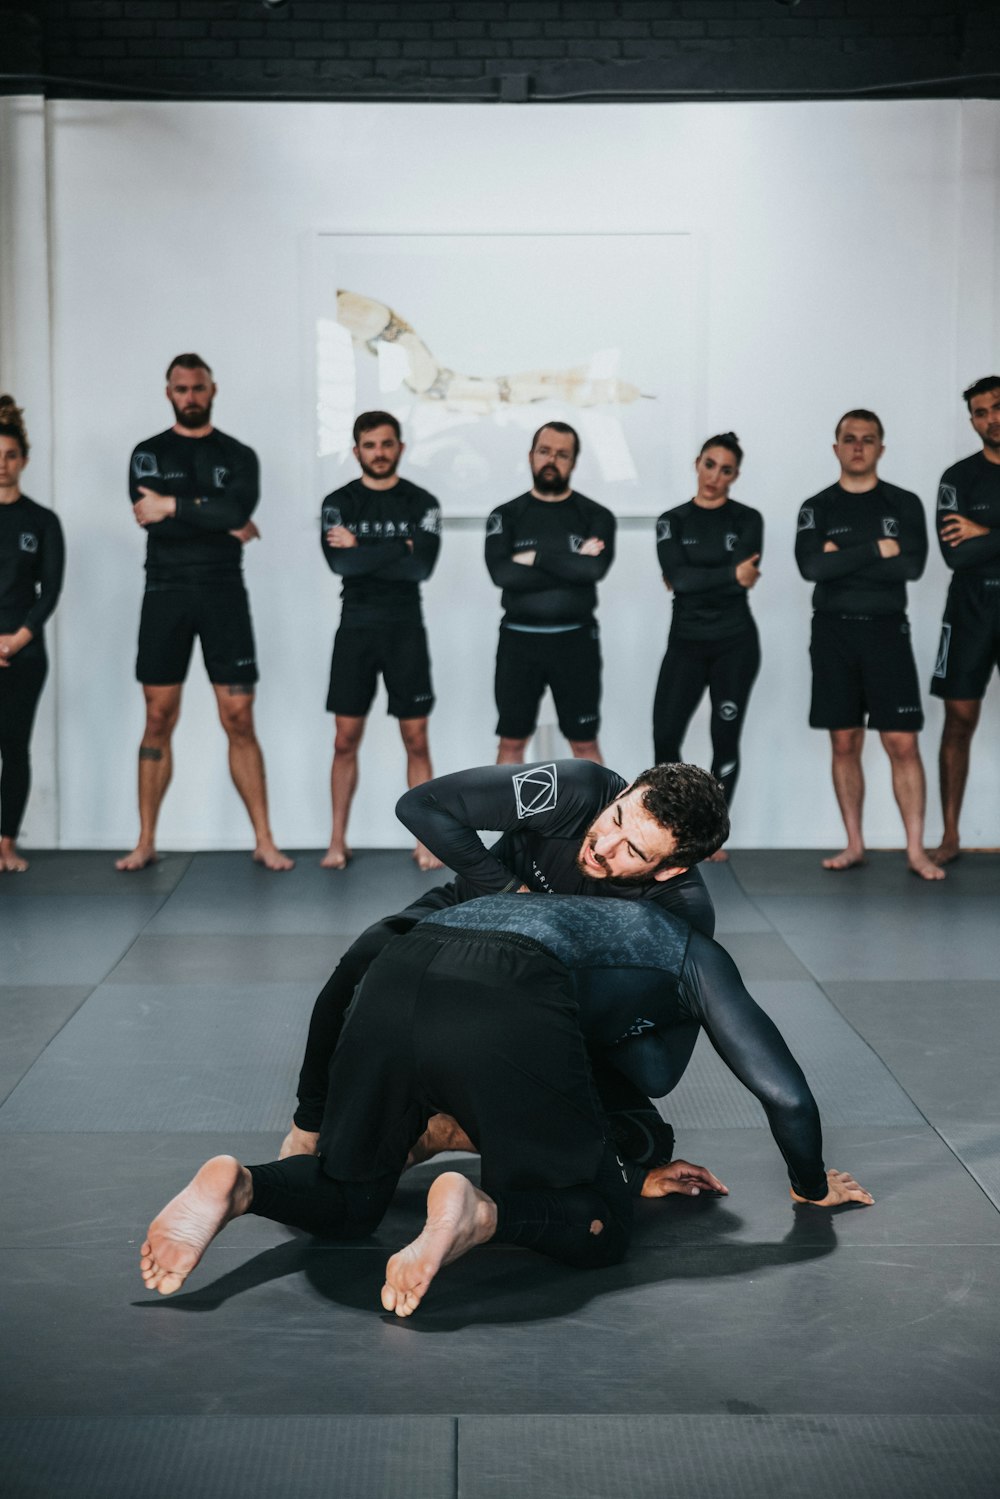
(500, 1284)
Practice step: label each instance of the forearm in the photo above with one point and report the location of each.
(818, 566)
(363, 561)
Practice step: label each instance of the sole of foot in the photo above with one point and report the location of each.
(179, 1235)
(459, 1217)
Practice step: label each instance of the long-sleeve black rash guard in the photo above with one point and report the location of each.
(543, 810)
(32, 559)
(699, 550)
(560, 586)
(856, 579)
(398, 531)
(971, 488)
(216, 483)
(646, 984)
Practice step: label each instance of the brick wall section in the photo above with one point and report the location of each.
(516, 50)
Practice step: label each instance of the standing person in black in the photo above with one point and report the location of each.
(381, 534)
(193, 490)
(968, 517)
(31, 573)
(709, 550)
(548, 550)
(860, 542)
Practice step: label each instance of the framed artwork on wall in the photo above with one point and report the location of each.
(475, 341)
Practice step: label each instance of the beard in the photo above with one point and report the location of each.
(192, 416)
(992, 438)
(548, 480)
(382, 470)
(615, 880)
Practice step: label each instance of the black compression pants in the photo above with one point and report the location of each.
(20, 688)
(727, 668)
(483, 1027)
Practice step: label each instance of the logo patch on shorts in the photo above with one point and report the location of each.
(947, 497)
(807, 519)
(536, 790)
(29, 542)
(944, 645)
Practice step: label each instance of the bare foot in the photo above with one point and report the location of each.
(923, 866)
(442, 1133)
(945, 853)
(11, 861)
(459, 1217)
(851, 858)
(141, 857)
(425, 859)
(719, 857)
(299, 1142)
(268, 854)
(337, 856)
(180, 1234)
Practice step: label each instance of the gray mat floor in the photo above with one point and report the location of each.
(746, 1348)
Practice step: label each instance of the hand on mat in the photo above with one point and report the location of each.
(843, 1188)
(683, 1177)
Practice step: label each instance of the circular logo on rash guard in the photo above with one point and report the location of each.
(731, 540)
(728, 711)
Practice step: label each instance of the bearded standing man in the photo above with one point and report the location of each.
(193, 490)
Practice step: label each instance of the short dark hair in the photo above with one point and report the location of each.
(980, 388)
(727, 440)
(859, 414)
(188, 362)
(12, 423)
(369, 420)
(565, 429)
(689, 803)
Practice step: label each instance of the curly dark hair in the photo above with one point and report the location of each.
(12, 423)
(689, 803)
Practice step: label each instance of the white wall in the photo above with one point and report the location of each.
(849, 259)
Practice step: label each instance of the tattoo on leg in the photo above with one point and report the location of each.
(242, 689)
(148, 752)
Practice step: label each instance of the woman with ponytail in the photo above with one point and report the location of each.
(709, 552)
(31, 571)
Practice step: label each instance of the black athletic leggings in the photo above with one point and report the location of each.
(20, 688)
(728, 669)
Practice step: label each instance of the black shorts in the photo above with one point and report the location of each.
(863, 666)
(569, 662)
(969, 648)
(397, 651)
(218, 616)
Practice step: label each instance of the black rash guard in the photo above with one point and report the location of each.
(645, 984)
(560, 587)
(216, 482)
(32, 559)
(971, 488)
(382, 574)
(699, 550)
(856, 579)
(543, 811)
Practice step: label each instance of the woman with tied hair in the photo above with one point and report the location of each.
(709, 550)
(31, 572)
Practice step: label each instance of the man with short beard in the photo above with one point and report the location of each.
(547, 550)
(193, 490)
(968, 516)
(381, 534)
